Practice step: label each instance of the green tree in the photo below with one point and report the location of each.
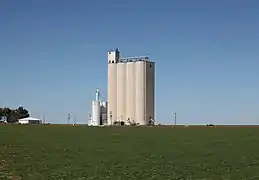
(4, 113)
(12, 115)
(1, 114)
(22, 113)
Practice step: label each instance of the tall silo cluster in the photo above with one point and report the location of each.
(131, 89)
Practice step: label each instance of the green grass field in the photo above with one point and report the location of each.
(33, 152)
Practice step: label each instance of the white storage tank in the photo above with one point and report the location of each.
(96, 113)
(130, 92)
(121, 91)
(140, 98)
(104, 117)
(150, 91)
(113, 57)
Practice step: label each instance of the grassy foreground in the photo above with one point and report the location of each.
(33, 152)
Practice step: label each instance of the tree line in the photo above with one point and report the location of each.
(13, 115)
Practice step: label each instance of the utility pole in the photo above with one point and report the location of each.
(174, 115)
(68, 118)
(74, 119)
(89, 123)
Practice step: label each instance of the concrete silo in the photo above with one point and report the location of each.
(104, 119)
(96, 114)
(121, 91)
(145, 92)
(99, 111)
(150, 91)
(130, 91)
(140, 91)
(113, 57)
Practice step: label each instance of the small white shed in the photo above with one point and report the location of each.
(30, 120)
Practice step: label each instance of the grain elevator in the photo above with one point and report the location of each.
(99, 111)
(131, 89)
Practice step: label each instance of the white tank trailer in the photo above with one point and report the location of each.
(99, 111)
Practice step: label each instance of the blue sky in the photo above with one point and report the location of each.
(54, 54)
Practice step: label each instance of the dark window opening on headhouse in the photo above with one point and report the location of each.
(150, 65)
(109, 52)
(112, 61)
(109, 61)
